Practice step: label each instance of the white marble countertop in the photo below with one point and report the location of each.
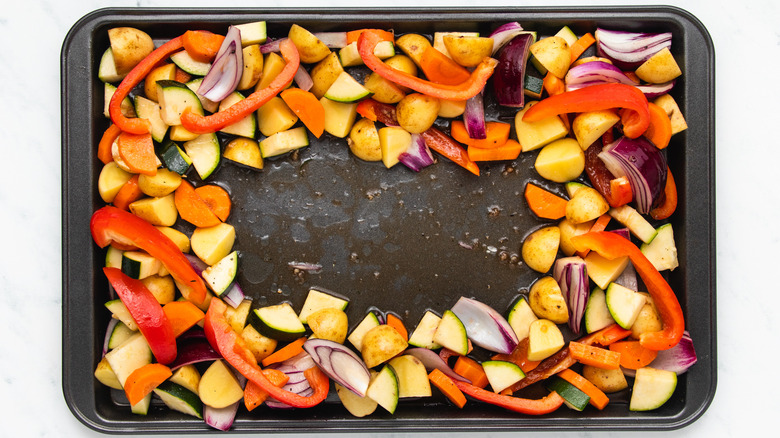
(747, 43)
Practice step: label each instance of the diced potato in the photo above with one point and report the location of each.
(330, 324)
(272, 66)
(540, 248)
(553, 54)
(602, 270)
(669, 105)
(187, 376)
(163, 183)
(324, 74)
(253, 67)
(561, 161)
(275, 116)
(544, 339)
(547, 302)
(590, 126)
(534, 135)
(105, 375)
(157, 211)
(163, 72)
(468, 51)
(412, 377)
(310, 48)
(606, 380)
(416, 112)
(363, 140)
(568, 230)
(450, 109)
(111, 179)
(339, 117)
(244, 151)
(212, 244)
(660, 68)
(393, 140)
(129, 46)
(382, 90)
(218, 387)
(381, 344)
(413, 45)
(162, 288)
(179, 239)
(260, 346)
(648, 319)
(586, 205)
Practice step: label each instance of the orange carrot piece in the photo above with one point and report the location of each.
(182, 315)
(128, 193)
(254, 395)
(669, 205)
(553, 84)
(508, 151)
(660, 130)
(137, 151)
(182, 76)
(607, 336)
(519, 357)
(307, 107)
(543, 203)
(202, 45)
(217, 199)
(600, 225)
(143, 380)
(497, 134)
(447, 387)
(582, 44)
(472, 370)
(290, 350)
(441, 69)
(621, 191)
(192, 208)
(598, 399)
(633, 355)
(396, 323)
(353, 35)
(594, 356)
(106, 142)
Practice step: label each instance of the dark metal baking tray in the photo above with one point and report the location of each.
(393, 239)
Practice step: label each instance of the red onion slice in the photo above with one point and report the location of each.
(432, 361)
(678, 358)
(334, 40)
(509, 75)
(630, 49)
(222, 418)
(271, 46)
(109, 330)
(474, 117)
(194, 352)
(225, 73)
(642, 163)
(234, 295)
(504, 33)
(418, 155)
(340, 364)
(303, 79)
(600, 72)
(572, 277)
(484, 326)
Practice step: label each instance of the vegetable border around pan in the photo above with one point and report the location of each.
(83, 321)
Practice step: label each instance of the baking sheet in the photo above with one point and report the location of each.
(391, 240)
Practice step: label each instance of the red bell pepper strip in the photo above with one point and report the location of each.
(110, 224)
(636, 117)
(136, 75)
(378, 112)
(445, 145)
(610, 246)
(669, 204)
(199, 124)
(601, 178)
(232, 347)
(463, 91)
(541, 406)
(146, 312)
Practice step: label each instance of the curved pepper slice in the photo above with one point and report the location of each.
(146, 312)
(198, 124)
(463, 91)
(669, 204)
(136, 75)
(232, 347)
(542, 406)
(110, 224)
(610, 245)
(445, 145)
(636, 117)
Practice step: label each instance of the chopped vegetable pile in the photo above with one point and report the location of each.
(600, 317)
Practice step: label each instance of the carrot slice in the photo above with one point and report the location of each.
(582, 44)
(669, 205)
(182, 315)
(106, 142)
(353, 35)
(143, 380)
(192, 208)
(217, 199)
(600, 225)
(519, 357)
(496, 134)
(137, 152)
(290, 350)
(607, 336)
(254, 395)
(472, 370)
(440, 69)
(202, 45)
(396, 323)
(128, 193)
(182, 76)
(594, 356)
(553, 84)
(508, 151)
(447, 387)
(633, 355)
(660, 130)
(307, 107)
(543, 203)
(597, 397)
